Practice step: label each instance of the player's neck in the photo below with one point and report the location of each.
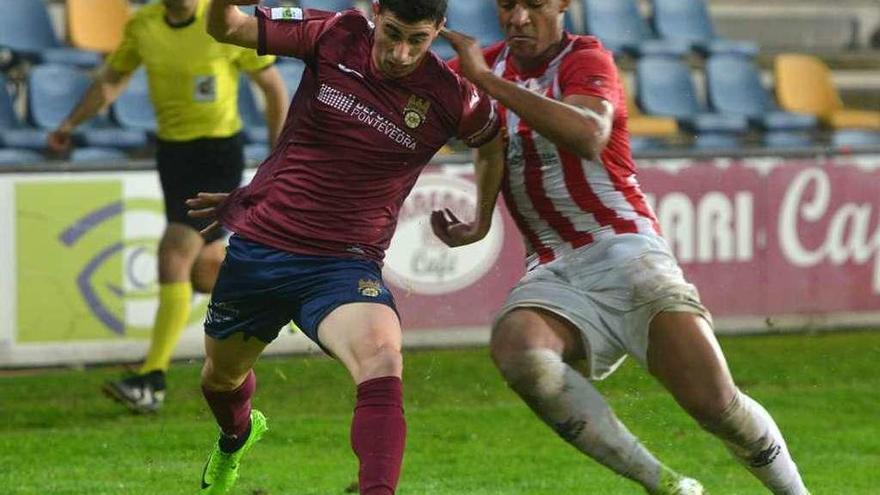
(533, 63)
(181, 16)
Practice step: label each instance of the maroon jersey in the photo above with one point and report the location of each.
(354, 141)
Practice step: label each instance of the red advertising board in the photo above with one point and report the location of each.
(759, 237)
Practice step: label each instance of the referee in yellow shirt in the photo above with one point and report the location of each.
(193, 82)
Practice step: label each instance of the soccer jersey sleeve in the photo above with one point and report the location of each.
(126, 57)
(589, 72)
(479, 120)
(290, 31)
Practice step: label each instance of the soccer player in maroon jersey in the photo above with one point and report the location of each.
(602, 283)
(311, 228)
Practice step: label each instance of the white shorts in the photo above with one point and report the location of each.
(610, 291)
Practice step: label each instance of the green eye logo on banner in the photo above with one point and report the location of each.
(87, 261)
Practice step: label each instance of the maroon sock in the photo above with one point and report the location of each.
(233, 409)
(378, 434)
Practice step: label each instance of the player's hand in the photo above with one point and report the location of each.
(206, 205)
(452, 231)
(470, 56)
(59, 140)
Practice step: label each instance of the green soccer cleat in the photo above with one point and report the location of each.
(672, 483)
(221, 470)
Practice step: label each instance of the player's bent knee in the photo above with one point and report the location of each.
(534, 372)
(384, 360)
(517, 332)
(216, 379)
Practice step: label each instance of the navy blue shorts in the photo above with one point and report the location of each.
(261, 289)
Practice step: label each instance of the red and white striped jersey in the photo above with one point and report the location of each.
(560, 201)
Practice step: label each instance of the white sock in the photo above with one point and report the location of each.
(754, 439)
(572, 406)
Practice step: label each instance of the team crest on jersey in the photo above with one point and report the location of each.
(416, 111)
(369, 288)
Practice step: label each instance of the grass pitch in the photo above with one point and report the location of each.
(468, 434)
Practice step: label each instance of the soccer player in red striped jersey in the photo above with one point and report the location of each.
(602, 283)
(311, 228)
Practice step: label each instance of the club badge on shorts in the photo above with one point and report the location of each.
(369, 288)
(416, 111)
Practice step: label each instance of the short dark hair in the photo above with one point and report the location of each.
(415, 10)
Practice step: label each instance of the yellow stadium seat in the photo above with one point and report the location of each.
(640, 124)
(96, 25)
(804, 84)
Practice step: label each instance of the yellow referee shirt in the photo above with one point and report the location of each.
(193, 79)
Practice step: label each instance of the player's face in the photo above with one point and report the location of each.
(532, 27)
(399, 47)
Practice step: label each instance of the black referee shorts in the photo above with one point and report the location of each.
(187, 168)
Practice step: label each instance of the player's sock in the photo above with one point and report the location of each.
(378, 434)
(171, 317)
(753, 437)
(572, 406)
(232, 410)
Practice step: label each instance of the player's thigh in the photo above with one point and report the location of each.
(228, 361)
(684, 355)
(365, 337)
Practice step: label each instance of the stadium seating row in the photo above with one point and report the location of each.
(664, 101)
(53, 90)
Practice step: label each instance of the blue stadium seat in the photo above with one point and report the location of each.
(665, 87)
(854, 138)
(570, 24)
(97, 154)
(26, 30)
(715, 141)
(252, 118)
(13, 132)
(108, 135)
(644, 143)
(291, 70)
(622, 29)
(256, 153)
(734, 87)
(474, 18)
(788, 140)
(330, 5)
(15, 156)
(54, 92)
(133, 109)
(689, 21)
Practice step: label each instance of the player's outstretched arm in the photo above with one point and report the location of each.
(489, 170)
(104, 90)
(580, 124)
(227, 24)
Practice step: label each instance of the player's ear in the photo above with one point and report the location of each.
(440, 26)
(376, 8)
